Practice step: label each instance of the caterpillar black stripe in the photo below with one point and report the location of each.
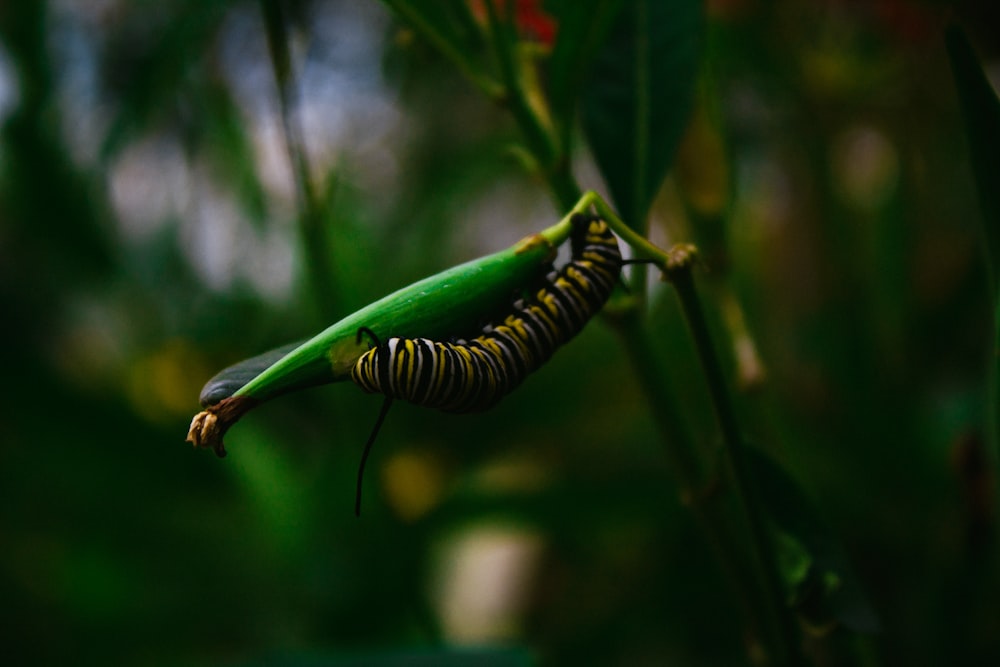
(473, 375)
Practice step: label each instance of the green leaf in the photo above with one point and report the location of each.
(454, 302)
(638, 98)
(228, 381)
(583, 29)
(451, 303)
(981, 111)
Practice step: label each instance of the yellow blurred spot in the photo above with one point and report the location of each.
(829, 71)
(865, 167)
(412, 482)
(164, 384)
(701, 171)
(510, 475)
(750, 370)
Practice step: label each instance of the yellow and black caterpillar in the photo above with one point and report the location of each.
(473, 375)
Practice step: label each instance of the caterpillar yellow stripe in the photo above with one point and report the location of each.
(473, 375)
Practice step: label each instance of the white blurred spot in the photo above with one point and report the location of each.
(269, 266)
(992, 69)
(347, 115)
(75, 34)
(211, 233)
(500, 216)
(484, 581)
(340, 104)
(10, 93)
(225, 248)
(150, 184)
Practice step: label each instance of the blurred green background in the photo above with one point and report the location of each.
(150, 236)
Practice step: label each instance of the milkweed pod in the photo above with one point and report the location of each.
(451, 301)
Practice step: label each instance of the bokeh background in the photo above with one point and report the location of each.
(150, 235)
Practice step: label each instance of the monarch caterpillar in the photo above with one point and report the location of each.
(474, 375)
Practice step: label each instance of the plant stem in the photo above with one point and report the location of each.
(697, 488)
(538, 135)
(651, 374)
(311, 219)
(783, 638)
(759, 588)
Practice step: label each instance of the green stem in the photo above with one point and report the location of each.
(538, 136)
(697, 489)
(778, 620)
(993, 386)
(644, 248)
(759, 588)
(651, 373)
(312, 228)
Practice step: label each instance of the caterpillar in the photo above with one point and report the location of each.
(474, 375)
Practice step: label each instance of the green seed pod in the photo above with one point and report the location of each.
(449, 303)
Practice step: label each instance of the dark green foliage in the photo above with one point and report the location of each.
(981, 110)
(826, 591)
(637, 98)
(583, 30)
(227, 381)
(853, 243)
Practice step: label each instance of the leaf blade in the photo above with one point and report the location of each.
(583, 29)
(981, 111)
(448, 303)
(641, 93)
